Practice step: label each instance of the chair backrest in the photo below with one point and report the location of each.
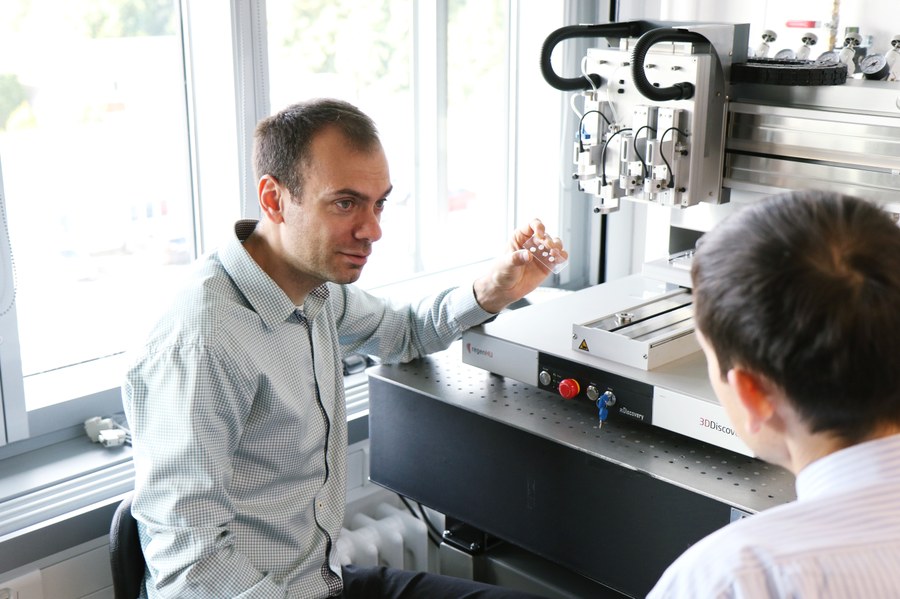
(125, 556)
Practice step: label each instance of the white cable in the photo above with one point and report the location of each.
(572, 104)
(585, 73)
(612, 106)
(8, 283)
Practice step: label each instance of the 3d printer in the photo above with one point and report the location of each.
(676, 115)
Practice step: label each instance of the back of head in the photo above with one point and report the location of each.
(804, 289)
(282, 141)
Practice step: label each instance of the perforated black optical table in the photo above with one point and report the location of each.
(616, 503)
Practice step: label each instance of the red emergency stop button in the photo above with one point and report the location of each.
(569, 388)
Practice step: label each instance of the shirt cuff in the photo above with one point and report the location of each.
(468, 312)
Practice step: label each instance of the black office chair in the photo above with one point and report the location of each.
(125, 556)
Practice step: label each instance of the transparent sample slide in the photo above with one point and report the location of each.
(544, 251)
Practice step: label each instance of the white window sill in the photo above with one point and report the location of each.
(64, 494)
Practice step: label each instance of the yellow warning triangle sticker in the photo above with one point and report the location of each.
(584, 345)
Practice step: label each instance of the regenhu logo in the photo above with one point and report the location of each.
(478, 351)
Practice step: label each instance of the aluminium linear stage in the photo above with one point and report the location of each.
(534, 345)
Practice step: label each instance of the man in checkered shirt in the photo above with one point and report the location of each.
(236, 399)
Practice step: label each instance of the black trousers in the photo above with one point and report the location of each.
(392, 583)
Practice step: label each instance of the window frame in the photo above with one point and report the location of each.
(232, 35)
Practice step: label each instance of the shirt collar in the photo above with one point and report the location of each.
(264, 295)
(860, 465)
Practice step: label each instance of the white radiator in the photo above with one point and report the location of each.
(388, 536)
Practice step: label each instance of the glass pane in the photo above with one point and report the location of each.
(477, 134)
(93, 143)
(543, 154)
(360, 52)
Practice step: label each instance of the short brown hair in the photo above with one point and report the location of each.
(804, 288)
(282, 141)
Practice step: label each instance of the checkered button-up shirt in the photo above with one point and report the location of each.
(237, 412)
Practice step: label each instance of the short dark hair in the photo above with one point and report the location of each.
(804, 289)
(282, 141)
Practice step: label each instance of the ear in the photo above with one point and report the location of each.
(271, 195)
(755, 395)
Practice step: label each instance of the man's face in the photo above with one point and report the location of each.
(330, 231)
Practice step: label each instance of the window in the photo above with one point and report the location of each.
(478, 108)
(362, 53)
(124, 154)
(98, 198)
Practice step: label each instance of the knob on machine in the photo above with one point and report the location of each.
(569, 388)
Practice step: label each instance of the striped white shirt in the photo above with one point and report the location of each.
(236, 407)
(840, 538)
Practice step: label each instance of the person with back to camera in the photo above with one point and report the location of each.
(236, 399)
(797, 308)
